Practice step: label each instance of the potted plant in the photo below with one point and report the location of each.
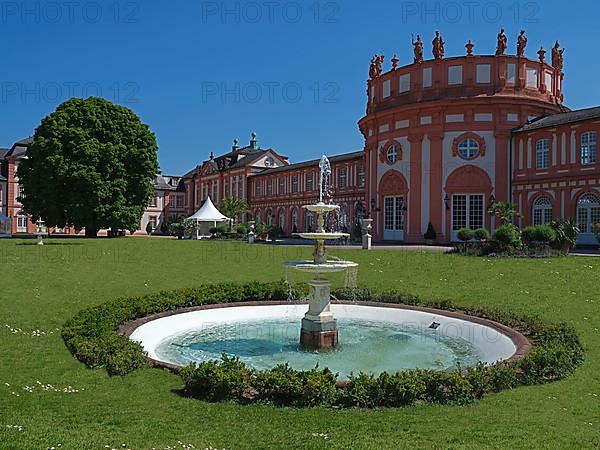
(566, 234)
(465, 235)
(149, 228)
(596, 230)
(430, 235)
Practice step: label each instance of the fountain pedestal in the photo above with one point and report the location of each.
(319, 327)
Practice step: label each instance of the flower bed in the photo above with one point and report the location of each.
(92, 337)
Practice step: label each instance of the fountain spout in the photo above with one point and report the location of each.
(324, 178)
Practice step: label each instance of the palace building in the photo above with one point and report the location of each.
(444, 139)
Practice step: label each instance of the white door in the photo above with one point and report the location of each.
(588, 214)
(393, 218)
(21, 224)
(467, 212)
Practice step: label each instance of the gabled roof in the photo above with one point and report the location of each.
(160, 183)
(19, 148)
(315, 162)
(560, 119)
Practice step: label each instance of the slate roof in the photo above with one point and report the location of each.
(315, 162)
(19, 148)
(560, 119)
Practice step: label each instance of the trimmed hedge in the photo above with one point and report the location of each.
(91, 337)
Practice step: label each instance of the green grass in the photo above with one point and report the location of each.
(40, 288)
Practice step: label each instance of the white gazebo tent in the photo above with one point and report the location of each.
(206, 217)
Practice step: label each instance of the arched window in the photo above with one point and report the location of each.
(343, 222)
(309, 221)
(588, 212)
(257, 217)
(281, 219)
(468, 148)
(542, 211)
(588, 148)
(294, 221)
(392, 154)
(542, 152)
(269, 218)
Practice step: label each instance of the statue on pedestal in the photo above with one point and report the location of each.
(557, 56)
(438, 46)
(521, 43)
(418, 49)
(502, 43)
(375, 69)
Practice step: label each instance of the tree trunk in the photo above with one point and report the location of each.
(91, 232)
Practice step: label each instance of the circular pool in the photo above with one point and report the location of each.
(372, 338)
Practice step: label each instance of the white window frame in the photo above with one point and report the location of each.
(542, 211)
(468, 148)
(468, 222)
(542, 153)
(392, 154)
(588, 148)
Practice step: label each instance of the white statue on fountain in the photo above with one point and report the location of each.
(319, 326)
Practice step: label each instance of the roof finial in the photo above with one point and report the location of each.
(253, 141)
(235, 145)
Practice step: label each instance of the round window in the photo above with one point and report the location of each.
(468, 148)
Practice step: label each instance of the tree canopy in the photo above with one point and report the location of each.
(91, 164)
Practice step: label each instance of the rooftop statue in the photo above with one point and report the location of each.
(502, 43)
(521, 43)
(438, 46)
(375, 69)
(557, 56)
(418, 49)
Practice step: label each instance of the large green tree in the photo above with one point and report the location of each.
(91, 165)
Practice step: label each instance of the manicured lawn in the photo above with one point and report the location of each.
(40, 288)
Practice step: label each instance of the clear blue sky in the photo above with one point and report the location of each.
(170, 60)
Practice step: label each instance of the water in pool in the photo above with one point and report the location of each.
(366, 346)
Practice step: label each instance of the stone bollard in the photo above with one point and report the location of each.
(366, 239)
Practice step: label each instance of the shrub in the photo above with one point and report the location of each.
(149, 228)
(481, 234)
(545, 234)
(566, 233)
(430, 234)
(445, 387)
(217, 381)
(464, 234)
(363, 391)
(242, 229)
(501, 376)
(401, 388)
(528, 235)
(507, 235)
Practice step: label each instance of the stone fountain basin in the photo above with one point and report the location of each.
(493, 341)
(321, 208)
(323, 236)
(327, 267)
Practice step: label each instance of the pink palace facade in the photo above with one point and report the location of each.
(443, 139)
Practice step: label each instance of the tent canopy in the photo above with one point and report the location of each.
(209, 213)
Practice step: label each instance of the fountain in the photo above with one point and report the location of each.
(319, 326)
(372, 338)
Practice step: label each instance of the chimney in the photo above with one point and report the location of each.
(253, 142)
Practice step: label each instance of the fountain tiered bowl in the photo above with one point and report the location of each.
(319, 326)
